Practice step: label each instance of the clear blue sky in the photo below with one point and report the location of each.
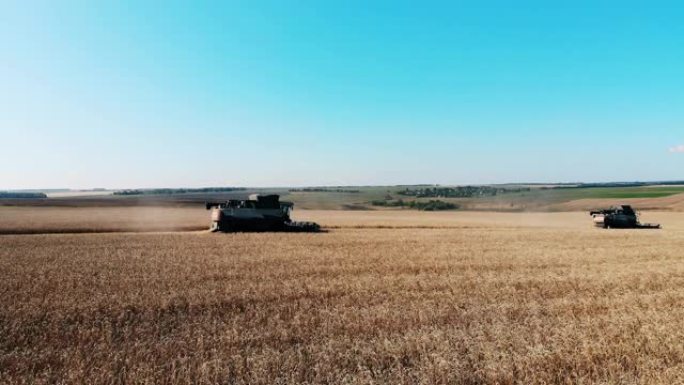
(271, 93)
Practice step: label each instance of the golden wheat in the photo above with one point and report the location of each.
(471, 303)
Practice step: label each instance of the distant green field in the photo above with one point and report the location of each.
(615, 192)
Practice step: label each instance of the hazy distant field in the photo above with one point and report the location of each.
(29, 220)
(537, 199)
(383, 297)
(653, 197)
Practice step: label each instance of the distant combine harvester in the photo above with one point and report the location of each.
(620, 217)
(258, 213)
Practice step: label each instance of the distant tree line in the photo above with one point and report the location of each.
(323, 189)
(432, 205)
(22, 195)
(459, 192)
(168, 191)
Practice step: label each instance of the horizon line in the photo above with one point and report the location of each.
(95, 189)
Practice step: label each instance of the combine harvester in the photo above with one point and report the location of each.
(258, 213)
(620, 217)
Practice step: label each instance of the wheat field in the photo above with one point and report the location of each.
(381, 298)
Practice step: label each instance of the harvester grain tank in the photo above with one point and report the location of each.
(620, 217)
(258, 213)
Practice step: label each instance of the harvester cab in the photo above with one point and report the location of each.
(257, 213)
(620, 217)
